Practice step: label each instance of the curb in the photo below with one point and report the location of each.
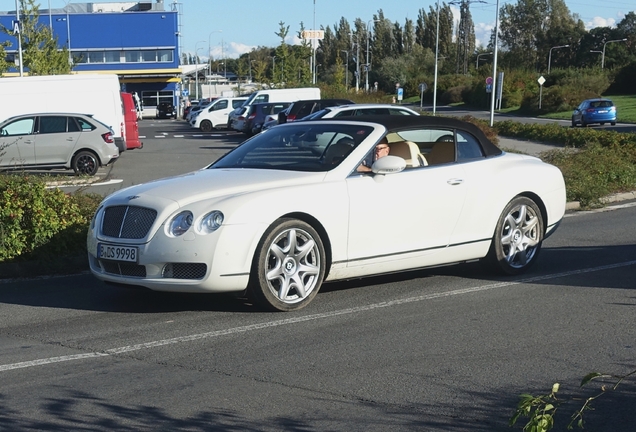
(618, 197)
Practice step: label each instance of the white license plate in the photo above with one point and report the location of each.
(602, 111)
(117, 252)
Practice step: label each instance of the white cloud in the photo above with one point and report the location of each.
(600, 22)
(482, 33)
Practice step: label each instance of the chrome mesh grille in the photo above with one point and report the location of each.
(123, 269)
(127, 222)
(185, 270)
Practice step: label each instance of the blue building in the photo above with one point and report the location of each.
(138, 41)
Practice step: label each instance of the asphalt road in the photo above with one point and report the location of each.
(438, 350)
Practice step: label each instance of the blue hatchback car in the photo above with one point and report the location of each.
(594, 111)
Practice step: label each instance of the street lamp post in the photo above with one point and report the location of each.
(68, 33)
(494, 67)
(313, 49)
(368, 65)
(603, 56)
(596, 51)
(196, 68)
(478, 55)
(19, 37)
(346, 70)
(436, 56)
(210, 48)
(550, 55)
(273, 69)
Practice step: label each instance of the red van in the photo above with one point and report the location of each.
(130, 116)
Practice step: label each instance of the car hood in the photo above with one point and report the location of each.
(209, 184)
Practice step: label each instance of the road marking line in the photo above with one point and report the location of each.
(282, 322)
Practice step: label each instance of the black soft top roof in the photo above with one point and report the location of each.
(395, 123)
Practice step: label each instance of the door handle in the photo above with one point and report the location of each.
(70, 139)
(455, 181)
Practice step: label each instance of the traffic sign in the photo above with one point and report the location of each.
(423, 87)
(541, 80)
(489, 81)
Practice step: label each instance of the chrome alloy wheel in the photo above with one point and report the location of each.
(520, 235)
(293, 265)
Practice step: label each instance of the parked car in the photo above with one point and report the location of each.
(131, 119)
(236, 118)
(215, 115)
(594, 111)
(259, 113)
(166, 110)
(56, 141)
(274, 221)
(302, 108)
(193, 105)
(357, 110)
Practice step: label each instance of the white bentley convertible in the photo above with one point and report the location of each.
(290, 209)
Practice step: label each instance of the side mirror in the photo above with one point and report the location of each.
(388, 165)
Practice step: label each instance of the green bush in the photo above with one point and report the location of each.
(594, 163)
(41, 223)
(566, 136)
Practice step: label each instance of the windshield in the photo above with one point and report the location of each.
(320, 147)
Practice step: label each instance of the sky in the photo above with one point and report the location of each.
(229, 29)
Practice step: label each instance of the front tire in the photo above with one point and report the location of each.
(85, 163)
(289, 266)
(206, 126)
(518, 237)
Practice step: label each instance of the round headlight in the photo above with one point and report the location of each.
(211, 222)
(180, 224)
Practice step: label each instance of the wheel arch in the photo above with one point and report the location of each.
(542, 207)
(320, 229)
(89, 150)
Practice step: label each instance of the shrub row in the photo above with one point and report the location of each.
(595, 163)
(41, 223)
(566, 136)
(38, 223)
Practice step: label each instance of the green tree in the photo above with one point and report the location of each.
(465, 38)
(530, 28)
(40, 53)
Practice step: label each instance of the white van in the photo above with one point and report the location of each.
(92, 94)
(283, 95)
(214, 116)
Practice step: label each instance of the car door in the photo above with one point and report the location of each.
(411, 212)
(56, 139)
(219, 112)
(17, 142)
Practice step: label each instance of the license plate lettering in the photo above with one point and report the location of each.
(117, 253)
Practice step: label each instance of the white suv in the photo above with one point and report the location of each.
(215, 115)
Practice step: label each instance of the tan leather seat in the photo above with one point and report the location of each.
(409, 151)
(441, 153)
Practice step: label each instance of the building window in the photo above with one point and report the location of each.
(148, 56)
(153, 98)
(136, 56)
(96, 57)
(112, 56)
(132, 56)
(164, 55)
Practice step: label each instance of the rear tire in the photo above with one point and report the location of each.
(518, 237)
(85, 163)
(289, 266)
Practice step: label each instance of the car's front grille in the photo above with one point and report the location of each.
(185, 270)
(123, 269)
(127, 222)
